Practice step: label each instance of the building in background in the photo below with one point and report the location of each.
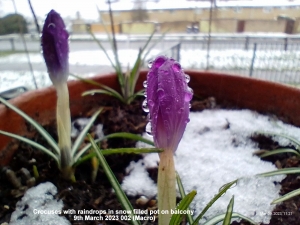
(192, 16)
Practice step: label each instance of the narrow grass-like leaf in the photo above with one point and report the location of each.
(292, 170)
(102, 48)
(287, 196)
(114, 135)
(292, 139)
(32, 143)
(132, 97)
(117, 67)
(83, 133)
(99, 91)
(129, 136)
(221, 217)
(182, 194)
(228, 215)
(134, 74)
(39, 128)
(105, 87)
(279, 151)
(154, 44)
(113, 181)
(183, 205)
(222, 190)
(102, 23)
(79, 160)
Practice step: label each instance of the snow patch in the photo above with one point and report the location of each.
(216, 149)
(40, 197)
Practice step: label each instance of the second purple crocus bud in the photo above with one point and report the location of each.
(56, 47)
(168, 102)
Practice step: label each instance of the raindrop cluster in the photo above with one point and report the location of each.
(176, 67)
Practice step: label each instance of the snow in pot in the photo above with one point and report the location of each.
(216, 149)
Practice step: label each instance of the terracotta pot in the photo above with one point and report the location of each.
(242, 92)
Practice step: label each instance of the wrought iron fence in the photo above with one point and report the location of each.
(274, 59)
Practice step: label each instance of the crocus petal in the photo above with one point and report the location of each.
(168, 100)
(55, 47)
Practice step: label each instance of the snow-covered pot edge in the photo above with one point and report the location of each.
(241, 92)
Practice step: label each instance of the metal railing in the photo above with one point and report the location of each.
(268, 58)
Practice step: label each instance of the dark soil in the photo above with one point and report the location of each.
(85, 194)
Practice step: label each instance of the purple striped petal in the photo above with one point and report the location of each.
(168, 100)
(56, 47)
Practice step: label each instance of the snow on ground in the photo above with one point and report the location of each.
(216, 149)
(222, 60)
(23, 76)
(39, 206)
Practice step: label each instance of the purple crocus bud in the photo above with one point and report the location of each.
(55, 47)
(168, 102)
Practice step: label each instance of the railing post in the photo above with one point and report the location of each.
(247, 43)
(12, 44)
(253, 60)
(178, 47)
(285, 44)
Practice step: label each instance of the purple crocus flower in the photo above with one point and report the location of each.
(168, 102)
(55, 47)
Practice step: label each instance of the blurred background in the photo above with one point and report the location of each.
(256, 38)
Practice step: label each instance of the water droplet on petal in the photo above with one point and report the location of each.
(188, 96)
(180, 110)
(191, 90)
(150, 64)
(151, 103)
(149, 117)
(159, 61)
(190, 106)
(187, 120)
(149, 129)
(145, 106)
(187, 78)
(160, 93)
(176, 67)
(145, 94)
(145, 84)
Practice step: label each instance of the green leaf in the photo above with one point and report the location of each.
(222, 191)
(134, 74)
(279, 151)
(287, 196)
(292, 170)
(79, 160)
(183, 205)
(114, 135)
(99, 91)
(155, 43)
(129, 136)
(113, 181)
(228, 214)
(39, 128)
(102, 48)
(32, 143)
(131, 151)
(83, 133)
(110, 91)
(182, 194)
(221, 217)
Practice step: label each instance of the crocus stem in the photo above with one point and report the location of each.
(166, 186)
(64, 128)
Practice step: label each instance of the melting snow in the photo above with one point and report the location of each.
(216, 148)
